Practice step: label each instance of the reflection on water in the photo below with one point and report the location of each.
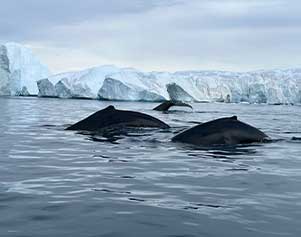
(64, 183)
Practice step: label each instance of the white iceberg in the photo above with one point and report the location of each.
(113, 83)
(21, 73)
(19, 70)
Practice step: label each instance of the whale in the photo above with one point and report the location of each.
(166, 105)
(222, 131)
(111, 118)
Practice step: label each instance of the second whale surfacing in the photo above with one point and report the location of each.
(222, 131)
(111, 118)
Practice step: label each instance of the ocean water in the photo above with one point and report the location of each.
(62, 183)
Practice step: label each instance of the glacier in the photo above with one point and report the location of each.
(113, 83)
(20, 70)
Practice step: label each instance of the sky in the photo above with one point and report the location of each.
(160, 35)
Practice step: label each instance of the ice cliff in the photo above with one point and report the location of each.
(19, 70)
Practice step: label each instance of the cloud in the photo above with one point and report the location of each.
(27, 18)
(158, 35)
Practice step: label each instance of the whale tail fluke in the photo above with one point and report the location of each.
(165, 106)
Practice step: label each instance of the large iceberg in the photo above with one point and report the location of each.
(19, 70)
(113, 83)
(21, 73)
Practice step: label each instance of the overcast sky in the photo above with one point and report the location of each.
(172, 35)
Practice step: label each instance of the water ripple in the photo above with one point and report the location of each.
(61, 183)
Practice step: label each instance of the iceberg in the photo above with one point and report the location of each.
(177, 93)
(20, 70)
(128, 84)
(21, 73)
(4, 72)
(113, 89)
(46, 88)
(81, 84)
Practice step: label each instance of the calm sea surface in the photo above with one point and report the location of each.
(61, 183)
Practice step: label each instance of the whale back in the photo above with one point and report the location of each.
(221, 131)
(111, 117)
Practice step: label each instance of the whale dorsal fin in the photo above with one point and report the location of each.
(110, 107)
(234, 117)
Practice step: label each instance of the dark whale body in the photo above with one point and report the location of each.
(111, 118)
(228, 131)
(168, 104)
